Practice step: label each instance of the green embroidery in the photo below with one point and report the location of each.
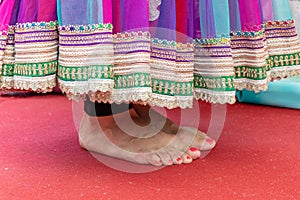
(132, 80)
(35, 69)
(84, 73)
(255, 73)
(7, 70)
(284, 60)
(172, 88)
(223, 83)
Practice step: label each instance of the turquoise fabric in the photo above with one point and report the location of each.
(221, 11)
(284, 93)
(282, 11)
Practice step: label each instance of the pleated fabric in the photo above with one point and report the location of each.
(156, 52)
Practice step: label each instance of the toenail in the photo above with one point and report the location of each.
(193, 149)
(179, 159)
(210, 141)
(188, 158)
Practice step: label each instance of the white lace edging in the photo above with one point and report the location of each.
(132, 95)
(214, 96)
(36, 84)
(285, 72)
(171, 102)
(6, 83)
(248, 84)
(78, 90)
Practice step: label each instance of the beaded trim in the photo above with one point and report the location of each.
(123, 37)
(36, 26)
(283, 23)
(212, 41)
(85, 28)
(171, 44)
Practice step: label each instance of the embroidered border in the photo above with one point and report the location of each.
(85, 73)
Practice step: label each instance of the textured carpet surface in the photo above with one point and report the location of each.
(257, 157)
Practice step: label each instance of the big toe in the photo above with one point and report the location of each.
(194, 153)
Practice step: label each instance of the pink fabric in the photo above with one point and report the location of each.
(37, 10)
(6, 9)
(46, 10)
(137, 19)
(107, 11)
(250, 15)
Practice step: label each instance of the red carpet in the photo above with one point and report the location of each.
(257, 157)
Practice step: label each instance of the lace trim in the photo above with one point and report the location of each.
(100, 97)
(6, 83)
(78, 90)
(153, 7)
(215, 97)
(171, 102)
(131, 95)
(285, 72)
(36, 84)
(251, 85)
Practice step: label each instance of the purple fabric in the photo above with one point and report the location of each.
(135, 14)
(190, 31)
(250, 15)
(37, 10)
(266, 10)
(196, 17)
(72, 12)
(28, 11)
(235, 22)
(207, 19)
(7, 10)
(166, 28)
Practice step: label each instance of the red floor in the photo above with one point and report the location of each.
(257, 157)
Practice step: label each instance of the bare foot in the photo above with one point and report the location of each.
(168, 126)
(126, 137)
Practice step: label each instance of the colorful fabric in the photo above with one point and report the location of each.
(157, 52)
